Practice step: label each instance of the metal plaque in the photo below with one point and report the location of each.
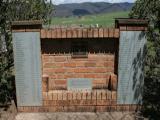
(79, 84)
(27, 59)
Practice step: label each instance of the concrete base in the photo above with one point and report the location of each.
(79, 116)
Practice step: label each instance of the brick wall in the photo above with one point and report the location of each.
(101, 65)
(60, 66)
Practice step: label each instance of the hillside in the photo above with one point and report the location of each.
(89, 8)
(106, 19)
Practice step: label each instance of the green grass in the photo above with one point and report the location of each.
(101, 19)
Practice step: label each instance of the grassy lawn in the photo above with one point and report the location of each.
(101, 19)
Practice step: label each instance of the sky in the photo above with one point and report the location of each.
(80, 1)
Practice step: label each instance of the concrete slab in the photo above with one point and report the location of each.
(78, 116)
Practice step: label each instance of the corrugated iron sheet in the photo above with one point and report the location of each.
(28, 68)
(131, 63)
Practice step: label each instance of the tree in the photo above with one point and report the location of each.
(150, 9)
(14, 10)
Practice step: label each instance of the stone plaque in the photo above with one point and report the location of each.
(79, 84)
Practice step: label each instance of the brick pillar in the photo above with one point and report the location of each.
(27, 57)
(132, 49)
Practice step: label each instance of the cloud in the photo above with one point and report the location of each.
(80, 1)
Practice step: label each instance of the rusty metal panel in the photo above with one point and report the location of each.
(130, 69)
(27, 68)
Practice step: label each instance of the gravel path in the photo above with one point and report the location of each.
(77, 116)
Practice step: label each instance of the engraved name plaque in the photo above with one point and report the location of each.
(79, 84)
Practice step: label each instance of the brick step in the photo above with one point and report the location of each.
(78, 102)
(109, 108)
(80, 95)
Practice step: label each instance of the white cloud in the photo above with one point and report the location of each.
(80, 1)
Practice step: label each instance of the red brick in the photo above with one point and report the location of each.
(55, 96)
(50, 97)
(59, 87)
(101, 32)
(85, 33)
(69, 96)
(90, 33)
(95, 33)
(75, 35)
(80, 64)
(49, 65)
(71, 64)
(69, 33)
(80, 33)
(43, 33)
(70, 75)
(64, 33)
(101, 75)
(59, 33)
(113, 82)
(60, 76)
(83, 70)
(64, 96)
(99, 81)
(54, 33)
(100, 70)
(60, 82)
(109, 64)
(109, 57)
(49, 33)
(45, 81)
(90, 64)
(99, 95)
(100, 64)
(84, 96)
(79, 75)
(60, 96)
(104, 95)
(114, 95)
(70, 71)
(45, 59)
(106, 33)
(52, 76)
(45, 95)
(89, 95)
(79, 96)
(103, 102)
(60, 70)
(60, 59)
(102, 108)
(94, 94)
(109, 95)
(110, 70)
(113, 108)
(116, 33)
(48, 70)
(90, 75)
(74, 95)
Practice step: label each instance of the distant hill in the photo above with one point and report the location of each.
(89, 8)
(104, 19)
